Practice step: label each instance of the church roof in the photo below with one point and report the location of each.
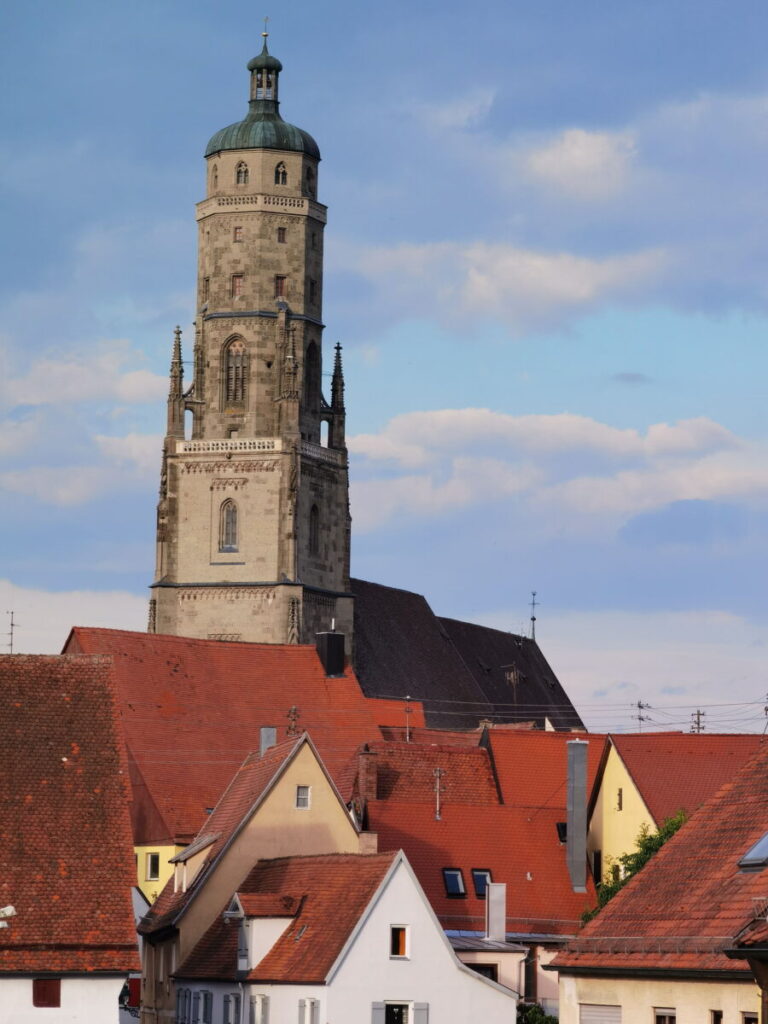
(462, 672)
(263, 127)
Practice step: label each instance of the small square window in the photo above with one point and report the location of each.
(153, 867)
(281, 235)
(279, 286)
(715, 1017)
(664, 1015)
(398, 940)
(480, 879)
(302, 797)
(397, 1013)
(746, 1018)
(237, 234)
(454, 882)
(237, 285)
(46, 991)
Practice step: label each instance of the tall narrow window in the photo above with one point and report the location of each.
(237, 234)
(236, 371)
(237, 285)
(310, 179)
(281, 174)
(206, 288)
(228, 526)
(281, 235)
(214, 178)
(314, 530)
(241, 174)
(279, 286)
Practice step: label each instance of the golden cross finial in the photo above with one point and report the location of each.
(265, 33)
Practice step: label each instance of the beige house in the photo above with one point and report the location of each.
(277, 805)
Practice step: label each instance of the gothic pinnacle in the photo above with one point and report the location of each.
(337, 382)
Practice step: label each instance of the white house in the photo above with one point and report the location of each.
(333, 939)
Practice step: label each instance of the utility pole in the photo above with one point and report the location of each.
(438, 773)
(9, 634)
(534, 603)
(641, 707)
(696, 720)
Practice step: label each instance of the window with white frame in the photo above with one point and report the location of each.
(232, 1008)
(399, 941)
(302, 797)
(259, 1010)
(153, 867)
(309, 1011)
(394, 1012)
(664, 1015)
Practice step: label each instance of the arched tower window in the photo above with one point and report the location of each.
(236, 370)
(228, 526)
(281, 174)
(241, 173)
(214, 178)
(311, 182)
(314, 530)
(312, 377)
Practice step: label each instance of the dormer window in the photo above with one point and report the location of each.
(281, 174)
(241, 173)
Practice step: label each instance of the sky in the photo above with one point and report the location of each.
(545, 260)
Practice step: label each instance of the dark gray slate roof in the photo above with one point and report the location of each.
(459, 670)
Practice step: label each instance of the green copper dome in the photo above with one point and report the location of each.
(262, 127)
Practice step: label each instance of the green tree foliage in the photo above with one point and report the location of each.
(532, 1013)
(629, 864)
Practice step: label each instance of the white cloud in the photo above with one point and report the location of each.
(583, 164)
(100, 376)
(140, 451)
(572, 472)
(523, 287)
(45, 618)
(462, 112)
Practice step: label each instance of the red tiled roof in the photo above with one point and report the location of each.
(191, 710)
(66, 859)
(517, 844)
(249, 783)
(336, 888)
(406, 771)
(532, 767)
(691, 900)
(267, 904)
(682, 770)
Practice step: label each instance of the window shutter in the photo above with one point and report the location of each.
(314, 1011)
(377, 1013)
(264, 1010)
(595, 1013)
(196, 1008)
(420, 1013)
(302, 1011)
(228, 1010)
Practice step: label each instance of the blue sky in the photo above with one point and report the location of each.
(546, 261)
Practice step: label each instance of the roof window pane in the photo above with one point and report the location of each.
(480, 879)
(454, 882)
(757, 855)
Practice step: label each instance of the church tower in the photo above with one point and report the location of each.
(253, 523)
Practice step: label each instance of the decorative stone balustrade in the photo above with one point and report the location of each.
(230, 444)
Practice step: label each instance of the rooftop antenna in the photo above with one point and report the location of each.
(408, 713)
(13, 624)
(534, 604)
(265, 33)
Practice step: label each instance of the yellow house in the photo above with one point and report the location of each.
(281, 803)
(658, 952)
(645, 778)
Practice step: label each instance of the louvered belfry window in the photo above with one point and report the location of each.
(237, 362)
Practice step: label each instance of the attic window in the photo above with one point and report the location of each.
(756, 856)
(153, 867)
(398, 941)
(454, 883)
(302, 797)
(480, 879)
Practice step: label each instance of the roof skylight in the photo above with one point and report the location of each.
(756, 856)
